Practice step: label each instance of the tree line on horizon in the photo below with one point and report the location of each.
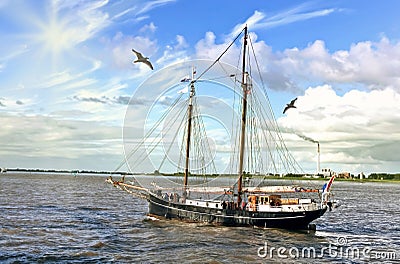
(373, 176)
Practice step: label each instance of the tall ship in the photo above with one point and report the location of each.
(215, 158)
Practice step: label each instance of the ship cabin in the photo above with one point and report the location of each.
(265, 202)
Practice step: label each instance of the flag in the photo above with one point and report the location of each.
(327, 186)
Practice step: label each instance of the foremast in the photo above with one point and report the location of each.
(243, 120)
(189, 132)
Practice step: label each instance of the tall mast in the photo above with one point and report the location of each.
(244, 112)
(189, 131)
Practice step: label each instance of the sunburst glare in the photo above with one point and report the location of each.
(56, 34)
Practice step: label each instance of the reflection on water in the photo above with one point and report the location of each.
(63, 218)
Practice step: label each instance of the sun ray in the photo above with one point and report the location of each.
(53, 34)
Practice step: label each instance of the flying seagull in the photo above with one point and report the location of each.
(290, 105)
(186, 79)
(140, 58)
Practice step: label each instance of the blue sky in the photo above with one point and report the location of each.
(66, 74)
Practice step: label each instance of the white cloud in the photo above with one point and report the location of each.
(358, 128)
(250, 22)
(63, 83)
(153, 4)
(57, 79)
(365, 62)
(366, 65)
(39, 138)
(15, 52)
(149, 28)
(176, 53)
(12, 53)
(207, 48)
(298, 13)
(79, 84)
(16, 103)
(181, 42)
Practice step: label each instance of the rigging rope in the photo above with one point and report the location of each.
(142, 141)
(168, 125)
(220, 56)
(261, 130)
(172, 141)
(279, 133)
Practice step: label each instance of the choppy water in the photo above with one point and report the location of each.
(62, 218)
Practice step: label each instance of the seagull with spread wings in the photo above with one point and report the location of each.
(141, 58)
(290, 105)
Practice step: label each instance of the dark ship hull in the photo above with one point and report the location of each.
(231, 217)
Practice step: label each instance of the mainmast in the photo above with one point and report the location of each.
(189, 131)
(244, 112)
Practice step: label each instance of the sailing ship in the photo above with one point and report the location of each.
(243, 196)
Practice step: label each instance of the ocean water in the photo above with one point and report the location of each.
(47, 218)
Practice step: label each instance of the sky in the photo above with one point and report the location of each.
(66, 74)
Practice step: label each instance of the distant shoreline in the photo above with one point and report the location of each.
(68, 171)
(272, 177)
(336, 179)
